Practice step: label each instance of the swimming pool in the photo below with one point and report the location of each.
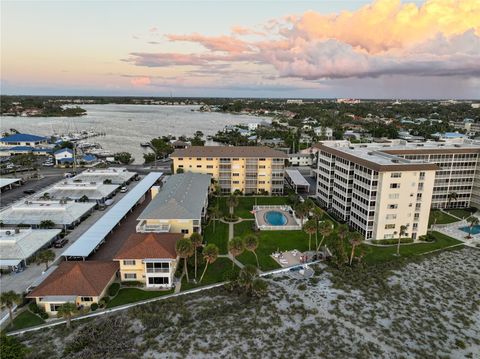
(275, 218)
(475, 229)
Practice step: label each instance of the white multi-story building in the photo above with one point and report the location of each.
(376, 188)
(300, 159)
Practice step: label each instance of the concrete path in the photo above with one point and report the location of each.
(178, 285)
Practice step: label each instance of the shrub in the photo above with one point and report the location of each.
(43, 314)
(113, 289)
(391, 241)
(460, 343)
(94, 307)
(132, 283)
(302, 286)
(34, 308)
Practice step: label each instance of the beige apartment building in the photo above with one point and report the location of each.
(378, 187)
(249, 169)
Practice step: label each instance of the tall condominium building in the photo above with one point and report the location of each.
(377, 188)
(248, 169)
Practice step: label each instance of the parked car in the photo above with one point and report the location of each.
(29, 191)
(60, 243)
(123, 189)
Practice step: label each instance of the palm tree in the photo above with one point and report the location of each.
(251, 244)
(232, 202)
(452, 196)
(196, 239)
(259, 287)
(355, 240)
(310, 228)
(45, 256)
(246, 277)
(66, 311)
(342, 231)
(402, 232)
(473, 221)
(210, 254)
(318, 214)
(325, 229)
(214, 214)
(236, 246)
(184, 248)
(436, 216)
(47, 224)
(301, 211)
(8, 300)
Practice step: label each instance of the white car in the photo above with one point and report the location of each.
(123, 189)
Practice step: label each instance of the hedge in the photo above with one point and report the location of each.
(113, 289)
(392, 241)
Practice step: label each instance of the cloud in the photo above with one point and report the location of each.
(214, 43)
(140, 81)
(388, 37)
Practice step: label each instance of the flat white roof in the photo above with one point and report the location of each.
(77, 189)
(297, 178)
(87, 243)
(118, 175)
(7, 181)
(34, 212)
(22, 245)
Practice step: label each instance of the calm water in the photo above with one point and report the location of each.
(127, 126)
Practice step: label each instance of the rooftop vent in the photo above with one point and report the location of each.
(395, 161)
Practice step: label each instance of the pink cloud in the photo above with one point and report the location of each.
(214, 43)
(140, 81)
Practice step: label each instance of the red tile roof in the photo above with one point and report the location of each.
(151, 245)
(77, 278)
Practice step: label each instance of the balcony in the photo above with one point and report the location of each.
(158, 270)
(143, 227)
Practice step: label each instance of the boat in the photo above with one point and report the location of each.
(145, 144)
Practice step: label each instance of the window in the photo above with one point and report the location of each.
(390, 226)
(392, 206)
(180, 166)
(184, 231)
(54, 307)
(261, 159)
(130, 276)
(157, 280)
(199, 166)
(236, 182)
(388, 236)
(86, 299)
(209, 166)
(236, 174)
(199, 159)
(209, 159)
(391, 216)
(394, 195)
(180, 158)
(394, 185)
(128, 262)
(396, 175)
(262, 167)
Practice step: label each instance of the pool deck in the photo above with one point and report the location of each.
(291, 224)
(453, 230)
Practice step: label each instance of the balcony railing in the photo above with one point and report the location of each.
(158, 270)
(153, 228)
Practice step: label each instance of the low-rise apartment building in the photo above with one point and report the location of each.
(249, 169)
(178, 207)
(149, 258)
(377, 188)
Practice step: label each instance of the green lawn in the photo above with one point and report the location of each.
(269, 242)
(245, 204)
(384, 254)
(219, 237)
(443, 219)
(215, 273)
(130, 295)
(24, 320)
(462, 212)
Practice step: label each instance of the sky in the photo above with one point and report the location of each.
(278, 48)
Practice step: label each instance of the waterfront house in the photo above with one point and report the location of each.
(149, 258)
(64, 155)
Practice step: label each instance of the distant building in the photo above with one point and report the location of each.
(64, 155)
(300, 159)
(23, 139)
(249, 169)
(325, 132)
(296, 102)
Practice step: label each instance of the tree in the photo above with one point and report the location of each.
(67, 311)
(473, 221)
(124, 158)
(196, 239)
(452, 196)
(214, 214)
(45, 256)
(236, 246)
(47, 224)
(149, 157)
(251, 244)
(318, 214)
(8, 300)
(232, 202)
(210, 254)
(310, 228)
(184, 249)
(246, 277)
(338, 249)
(355, 240)
(161, 146)
(436, 216)
(401, 233)
(11, 347)
(325, 228)
(84, 199)
(301, 211)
